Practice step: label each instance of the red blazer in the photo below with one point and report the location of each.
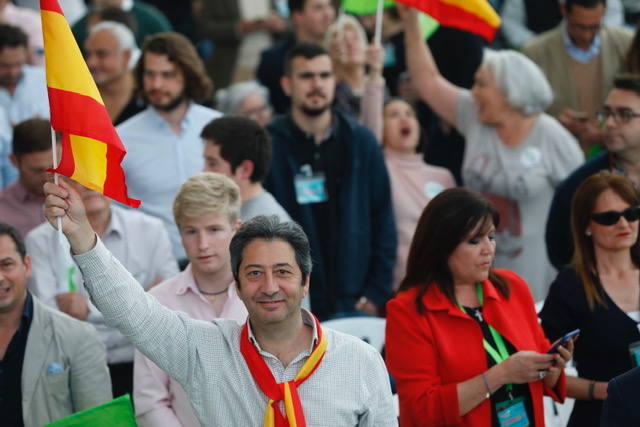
(429, 354)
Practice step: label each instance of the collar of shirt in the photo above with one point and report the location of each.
(189, 284)
(184, 124)
(297, 132)
(27, 312)
(575, 52)
(307, 319)
(20, 193)
(115, 225)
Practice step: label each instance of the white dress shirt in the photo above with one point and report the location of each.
(158, 161)
(350, 387)
(137, 240)
(29, 99)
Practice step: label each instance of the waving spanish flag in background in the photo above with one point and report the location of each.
(475, 16)
(91, 149)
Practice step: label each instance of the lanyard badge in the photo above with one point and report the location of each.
(310, 187)
(511, 412)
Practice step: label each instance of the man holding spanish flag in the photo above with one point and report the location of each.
(279, 369)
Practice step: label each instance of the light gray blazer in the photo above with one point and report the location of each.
(64, 368)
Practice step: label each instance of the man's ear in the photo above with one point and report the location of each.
(245, 169)
(285, 83)
(14, 160)
(563, 9)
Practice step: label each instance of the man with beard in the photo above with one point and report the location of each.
(329, 175)
(163, 141)
(23, 88)
(620, 119)
(108, 51)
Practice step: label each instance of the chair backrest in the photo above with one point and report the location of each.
(369, 329)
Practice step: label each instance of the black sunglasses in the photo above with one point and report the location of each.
(612, 217)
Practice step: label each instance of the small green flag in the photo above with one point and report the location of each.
(428, 25)
(363, 7)
(117, 413)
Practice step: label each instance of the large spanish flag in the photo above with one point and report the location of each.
(475, 16)
(91, 149)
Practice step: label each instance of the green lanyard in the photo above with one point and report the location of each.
(501, 353)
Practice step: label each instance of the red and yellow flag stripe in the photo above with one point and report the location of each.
(476, 16)
(91, 149)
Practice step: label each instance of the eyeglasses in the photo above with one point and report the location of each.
(620, 115)
(612, 217)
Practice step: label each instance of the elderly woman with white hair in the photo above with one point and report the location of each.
(248, 98)
(515, 154)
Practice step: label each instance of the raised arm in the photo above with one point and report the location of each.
(432, 87)
(125, 305)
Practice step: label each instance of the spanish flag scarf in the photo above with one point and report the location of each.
(287, 391)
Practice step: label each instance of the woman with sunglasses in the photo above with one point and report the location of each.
(600, 293)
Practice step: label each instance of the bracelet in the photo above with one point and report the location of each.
(592, 386)
(486, 385)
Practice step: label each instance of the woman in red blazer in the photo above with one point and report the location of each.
(463, 340)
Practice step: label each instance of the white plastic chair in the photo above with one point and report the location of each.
(368, 329)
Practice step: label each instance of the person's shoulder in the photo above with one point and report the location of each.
(516, 282)
(279, 49)
(148, 11)
(629, 381)
(137, 219)
(355, 347)
(133, 122)
(358, 133)
(203, 113)
(566, 282)
(543, 41)
(618, 34)
(165, 291)
(67, 328)
(39, 233)
(588, 168)
(280, 127)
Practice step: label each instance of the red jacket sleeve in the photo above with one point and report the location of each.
(412, 360)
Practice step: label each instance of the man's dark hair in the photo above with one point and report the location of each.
(240, 138)
(630, 82)
(117, 14)
(270, 228)
(304, 50)
(568, 4)
(11, 37)
(14, 234)
(181, 52)
(31, 136)
(296, 5)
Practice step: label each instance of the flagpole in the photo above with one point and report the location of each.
(54, 153)
(378, 31)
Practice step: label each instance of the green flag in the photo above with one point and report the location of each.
(428, 25)
(363, 7)
(117, 413)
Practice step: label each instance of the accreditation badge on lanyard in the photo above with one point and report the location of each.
(310, 187)
(511, 412)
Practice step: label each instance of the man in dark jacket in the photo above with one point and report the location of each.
(329, 174)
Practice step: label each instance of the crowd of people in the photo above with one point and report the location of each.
(294, 169)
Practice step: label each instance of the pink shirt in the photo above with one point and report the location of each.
(413, 184)
(20, 209)
(160, 401)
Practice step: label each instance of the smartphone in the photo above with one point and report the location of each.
(563, 341)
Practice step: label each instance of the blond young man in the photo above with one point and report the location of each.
(206, 211)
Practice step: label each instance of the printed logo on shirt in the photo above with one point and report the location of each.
(432, 189)
(530, 157)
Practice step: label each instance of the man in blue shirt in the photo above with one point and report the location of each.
(163, 141)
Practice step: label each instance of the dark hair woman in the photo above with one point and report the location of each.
(599, 293)
(463, 340)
